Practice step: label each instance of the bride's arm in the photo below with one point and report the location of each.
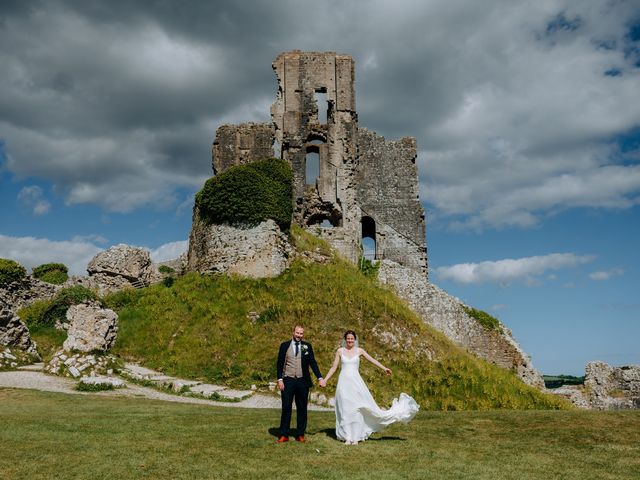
(336, 362)
(375, 362)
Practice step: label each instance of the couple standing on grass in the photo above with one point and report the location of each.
(357, 414)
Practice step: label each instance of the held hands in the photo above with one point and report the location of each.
(322, 383)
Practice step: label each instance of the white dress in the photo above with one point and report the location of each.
(357, 414)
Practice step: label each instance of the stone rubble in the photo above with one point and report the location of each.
(91, 327)
(605, 388)
(76, 365)
(13, 359)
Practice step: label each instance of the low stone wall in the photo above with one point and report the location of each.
(446, 314)
(260, 251)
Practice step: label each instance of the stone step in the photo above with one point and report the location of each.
(179, 385)
(34, 367)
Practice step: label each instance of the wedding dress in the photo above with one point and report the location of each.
(357, 414)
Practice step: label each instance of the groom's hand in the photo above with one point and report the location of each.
(322, 382)
(281, 384)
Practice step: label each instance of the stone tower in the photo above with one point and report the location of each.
(349, 182)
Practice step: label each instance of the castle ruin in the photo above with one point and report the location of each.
(349, 183)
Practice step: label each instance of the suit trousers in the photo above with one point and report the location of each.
(294, 389)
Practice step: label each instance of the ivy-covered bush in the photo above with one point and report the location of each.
(56, 273)
(47, 312)
(246, 195)
(10, 271)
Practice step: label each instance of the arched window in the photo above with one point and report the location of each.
(368, 238)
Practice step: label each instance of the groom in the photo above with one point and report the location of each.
(294, 359)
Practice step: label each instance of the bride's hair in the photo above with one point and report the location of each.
(344, 338)
(350, 332)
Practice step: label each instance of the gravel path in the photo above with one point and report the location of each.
(48, 383)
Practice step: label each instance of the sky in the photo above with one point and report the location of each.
(526, 114)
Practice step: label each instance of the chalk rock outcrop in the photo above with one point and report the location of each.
(90, 328)
(257, 252)
(119, 267)
(446, 313)
(14, 333)
(122, 260)
(605, 388)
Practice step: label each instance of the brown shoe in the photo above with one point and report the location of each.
(282, 439)
(300, 438)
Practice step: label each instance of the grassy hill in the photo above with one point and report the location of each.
(205, 327)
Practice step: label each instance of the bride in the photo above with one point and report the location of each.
(357, 414)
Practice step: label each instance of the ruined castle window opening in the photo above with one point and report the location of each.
(368, 239)
(312, 165)
(277, 149)
(320, 98)
(324, 221)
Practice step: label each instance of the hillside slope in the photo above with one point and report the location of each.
(227, 329)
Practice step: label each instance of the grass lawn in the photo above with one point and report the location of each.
(58, 436)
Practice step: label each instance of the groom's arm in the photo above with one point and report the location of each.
(313, 364)
(282, 353)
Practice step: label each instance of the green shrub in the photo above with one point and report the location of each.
(369, 268)
(10, 271)
(168, 282)
(484, 319)
(94, 387)
(246, 195)
(55, 273)
(166, 269)
(46, 312)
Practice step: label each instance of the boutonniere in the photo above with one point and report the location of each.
(305, 349)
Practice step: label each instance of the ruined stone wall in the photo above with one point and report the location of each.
(446, 313)
(241, 144)
(388, 192)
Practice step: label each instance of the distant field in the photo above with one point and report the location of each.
(57, 436)
(555, 381)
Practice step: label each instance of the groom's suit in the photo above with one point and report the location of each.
(297, 381)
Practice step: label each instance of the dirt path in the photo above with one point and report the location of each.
(48, 383)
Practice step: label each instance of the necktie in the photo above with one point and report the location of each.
(297, 346)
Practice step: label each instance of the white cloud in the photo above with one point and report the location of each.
(31, 252)
(606, 274)
(169, 251)
(75, 253)
(510, 104)
(509, 270)
(31, 198)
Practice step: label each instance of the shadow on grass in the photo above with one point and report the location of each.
(331, 433)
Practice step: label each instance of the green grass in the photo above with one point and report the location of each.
(199, 328)
(47, 435)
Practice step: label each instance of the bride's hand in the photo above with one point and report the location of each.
(387, 371)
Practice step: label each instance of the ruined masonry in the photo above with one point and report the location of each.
(364, 185)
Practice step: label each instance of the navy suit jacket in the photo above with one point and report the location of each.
(308, 360)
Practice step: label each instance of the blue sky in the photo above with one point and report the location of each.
(526, 116)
